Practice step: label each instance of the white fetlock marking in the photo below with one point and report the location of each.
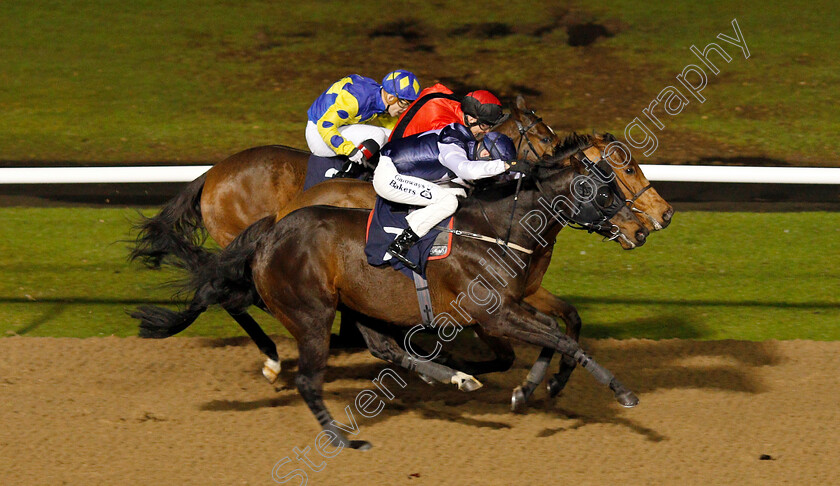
(271, 369)
(462, 378)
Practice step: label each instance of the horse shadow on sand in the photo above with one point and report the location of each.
(645, 366)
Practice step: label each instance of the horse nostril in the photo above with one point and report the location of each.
(641, 236)
(666, 216)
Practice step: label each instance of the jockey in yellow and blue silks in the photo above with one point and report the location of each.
(339, 120)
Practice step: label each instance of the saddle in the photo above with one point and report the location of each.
(386, 221)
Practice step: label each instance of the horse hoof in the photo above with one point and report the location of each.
(271, 370)
(466, 382)
(554, 387)
(518, 402)
(627, 399)
(360, 445)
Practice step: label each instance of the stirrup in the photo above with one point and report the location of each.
(405, 261)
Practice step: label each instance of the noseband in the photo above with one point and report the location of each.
(594, 215)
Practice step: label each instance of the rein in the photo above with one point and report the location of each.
(476, 236)
(523, 135)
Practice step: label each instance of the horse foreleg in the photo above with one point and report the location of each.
(544, 301)
(536, 375)
(567, 364)
(515, 322)
(349, 336)
(505, 356)
(386, 348)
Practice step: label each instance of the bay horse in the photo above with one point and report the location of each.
(265, 180)
(305, 265)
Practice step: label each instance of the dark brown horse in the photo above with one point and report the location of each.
(253, 183)
(311, 261)
(159, 322)
(262, 181)
(357, 194)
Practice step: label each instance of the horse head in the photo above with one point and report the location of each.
(597, 203)
(643, 199)
(531, 136)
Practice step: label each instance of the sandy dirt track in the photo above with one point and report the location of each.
(197, 411)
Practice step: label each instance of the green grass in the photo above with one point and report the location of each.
(774, 100)
(108, 81)
(708, 276)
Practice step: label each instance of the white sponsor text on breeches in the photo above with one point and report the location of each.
(438, 202)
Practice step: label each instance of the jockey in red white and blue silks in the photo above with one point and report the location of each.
(338, 119)
(437, 107)
(424, 170)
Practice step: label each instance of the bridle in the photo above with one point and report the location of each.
(523, 134)
(598, 215)
(592, 215)
(631, 203)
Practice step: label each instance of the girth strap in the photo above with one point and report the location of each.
(424, 299)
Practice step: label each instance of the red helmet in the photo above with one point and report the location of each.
(484, 107)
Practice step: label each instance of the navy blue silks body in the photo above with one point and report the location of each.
(418, 155)
(387, 221)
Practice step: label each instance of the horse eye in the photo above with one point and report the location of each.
(546, 140)
(630, 171)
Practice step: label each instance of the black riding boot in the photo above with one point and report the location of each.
(400, 246)
(350, 170)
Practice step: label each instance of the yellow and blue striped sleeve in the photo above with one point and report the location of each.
(344, 111)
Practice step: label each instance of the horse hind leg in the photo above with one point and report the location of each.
(314, 347)
(271, 367)
(387, 349)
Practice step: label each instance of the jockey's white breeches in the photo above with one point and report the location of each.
(357, 134)
(438, 202)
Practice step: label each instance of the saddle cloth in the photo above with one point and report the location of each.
(386, 221)
(320, 169)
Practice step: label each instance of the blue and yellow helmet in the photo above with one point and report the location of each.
(402, 84)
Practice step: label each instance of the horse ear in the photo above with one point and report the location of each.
(520, 103)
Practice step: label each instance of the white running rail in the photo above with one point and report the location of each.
(186, 173)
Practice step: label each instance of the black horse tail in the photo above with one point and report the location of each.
(223, 279)
(176, 234)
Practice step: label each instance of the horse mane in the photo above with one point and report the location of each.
(565, 149)
(494, 189)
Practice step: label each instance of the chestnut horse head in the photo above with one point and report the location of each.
(654, 211)
(533, 139)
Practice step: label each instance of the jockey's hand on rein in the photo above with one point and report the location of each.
(517, 167)
(364, 152)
